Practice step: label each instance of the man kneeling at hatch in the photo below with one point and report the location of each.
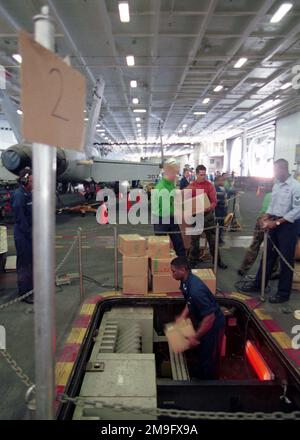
(207, 318)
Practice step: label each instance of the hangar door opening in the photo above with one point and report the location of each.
(260, 152)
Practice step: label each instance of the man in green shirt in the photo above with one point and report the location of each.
(258, 237)
(162, 205)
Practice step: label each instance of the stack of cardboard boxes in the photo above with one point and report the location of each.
(147, 262)
(160, 255)
(135, 265)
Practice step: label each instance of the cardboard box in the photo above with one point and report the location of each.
(158, 246)
(135, 285)
(208, 277)
(190, 206)
(135, 266)
(177, 334)
(193, 205)
(161, 265)
(132, 245)
(165, 283)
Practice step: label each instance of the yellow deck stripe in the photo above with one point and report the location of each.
(62, 372)
(76, 335)
(283, 339)
(87, 309)
(261, 314)
(240, 296)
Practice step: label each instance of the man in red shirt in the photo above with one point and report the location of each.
(209, 217)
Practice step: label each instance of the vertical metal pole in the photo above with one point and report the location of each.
(264, 266)
(216, 249)
(81, 288)
(161, 143)
(44, 179)
(116, 268)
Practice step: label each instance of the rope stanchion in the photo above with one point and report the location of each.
(116, 269)
(216, 255)
(81, 288)
(264, 267)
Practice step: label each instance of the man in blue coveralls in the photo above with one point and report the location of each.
(281, 220)
(22, 208)
(207, 317)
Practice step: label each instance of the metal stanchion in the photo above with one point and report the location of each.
(81, 288)
(44, 179)
(216, 249)
(116, 269)
(264, 267)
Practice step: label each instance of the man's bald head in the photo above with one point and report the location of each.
(281, 169)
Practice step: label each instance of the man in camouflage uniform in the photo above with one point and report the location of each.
(258, 238)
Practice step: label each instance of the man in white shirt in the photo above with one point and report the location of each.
(279, 220)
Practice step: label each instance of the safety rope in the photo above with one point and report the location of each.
(30, 292)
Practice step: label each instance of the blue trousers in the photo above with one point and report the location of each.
(285, 238)
(209, 354)
(24, 263)
(175, 236)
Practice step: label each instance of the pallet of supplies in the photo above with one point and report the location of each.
(177, 334)
(208, 277)
(135, 275)
(158, 246)
(132, 245)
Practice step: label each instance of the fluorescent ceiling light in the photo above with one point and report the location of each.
(281, 12)
(240, 63)
(286, 86)
(130, 60)
(86, 119)
(139, 110)
(242, 120)
(206, 100)
(135, 101)
(218, 88)
(102, 134)
(19, 112)
(17, 57)
(200, 113)
(133, 83)
(184, 126)
(101, 130)
(137, 119)
(124, 12)
(138, 125)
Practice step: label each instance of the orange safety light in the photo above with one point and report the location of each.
(258, 363)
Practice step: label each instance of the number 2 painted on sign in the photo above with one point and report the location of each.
(54, 112)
